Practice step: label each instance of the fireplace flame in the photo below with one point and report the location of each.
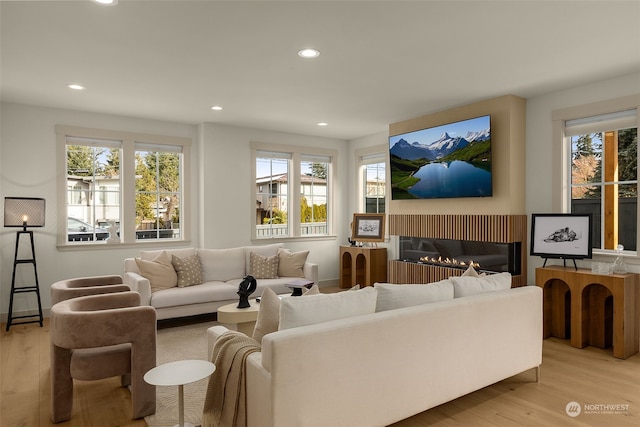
(449, 262)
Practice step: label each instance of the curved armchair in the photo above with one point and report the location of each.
(101, 336)
(83, 286)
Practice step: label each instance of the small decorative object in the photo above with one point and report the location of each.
(246, 288)
(619, 266)
(113, 233)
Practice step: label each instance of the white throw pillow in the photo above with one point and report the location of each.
(466, 286)
(309, 310)
(222, 264)
(391, 296)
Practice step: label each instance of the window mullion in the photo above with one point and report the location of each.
(128, 192)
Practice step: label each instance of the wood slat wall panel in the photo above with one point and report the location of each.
(482, 228)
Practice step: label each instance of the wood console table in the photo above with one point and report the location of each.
(362, 266)
(594, 309)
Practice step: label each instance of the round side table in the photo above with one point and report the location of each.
(243, 318)
(180, 373)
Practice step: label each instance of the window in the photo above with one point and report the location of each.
(130, 183)
(278, 170)
(374, 183)
(601, 152)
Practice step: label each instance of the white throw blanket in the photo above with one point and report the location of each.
(226, 400)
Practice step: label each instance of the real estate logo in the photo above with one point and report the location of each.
(573, 409)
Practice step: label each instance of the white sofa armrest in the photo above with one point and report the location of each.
(213, 333)
(310, 271)
(140, 285)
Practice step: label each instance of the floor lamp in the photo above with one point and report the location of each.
(23, 212)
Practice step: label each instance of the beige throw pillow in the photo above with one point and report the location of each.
(291, 263)
(189, 270)
(269, 313)
(263, 267)
(159, 271)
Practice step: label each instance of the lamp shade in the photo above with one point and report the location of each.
(24, 212)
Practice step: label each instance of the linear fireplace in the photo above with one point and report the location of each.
(492, 257)
(428, 244)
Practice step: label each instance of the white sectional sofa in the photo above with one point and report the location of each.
(222, 271)
(376, 369)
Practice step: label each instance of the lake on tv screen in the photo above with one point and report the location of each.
(454, 179)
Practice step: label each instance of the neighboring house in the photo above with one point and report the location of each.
(272, 193)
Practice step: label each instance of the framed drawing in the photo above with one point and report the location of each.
(367, 227)
(564, 236)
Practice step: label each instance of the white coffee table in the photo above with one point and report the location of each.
(180, 373)
(243, 318)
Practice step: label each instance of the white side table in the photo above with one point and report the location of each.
(244, 318)
(180, 373)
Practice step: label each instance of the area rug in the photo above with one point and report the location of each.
(180, 343)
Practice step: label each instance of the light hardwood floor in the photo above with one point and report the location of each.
(589, 376)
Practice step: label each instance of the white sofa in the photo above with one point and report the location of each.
(376, 369)
(222, 272)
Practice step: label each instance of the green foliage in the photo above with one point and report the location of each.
(478, 153)
(82, 160)
(277, 217)
(319, 170)
(315, 213)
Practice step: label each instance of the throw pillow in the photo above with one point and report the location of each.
(291, 263)
(159, 271)
(222, 264)
(309, 310)
(392, 296)
(470, 272)
(263, 267)
(269, 314)
(264, 250)
(189, 270)
(466, 286)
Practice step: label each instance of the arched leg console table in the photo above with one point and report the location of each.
(593, 309)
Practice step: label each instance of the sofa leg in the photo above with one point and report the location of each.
(538, 368)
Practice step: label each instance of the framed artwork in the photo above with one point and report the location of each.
(367, 227)
(565, 236)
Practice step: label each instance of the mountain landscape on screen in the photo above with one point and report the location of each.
(452, 160)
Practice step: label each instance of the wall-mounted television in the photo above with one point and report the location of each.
(447, 161)
(564, 236)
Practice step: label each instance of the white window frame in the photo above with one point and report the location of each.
(368, 156)
(561, 195)
(129, 140)
(297, 154)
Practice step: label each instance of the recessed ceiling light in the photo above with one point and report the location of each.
(75, 86)
(323, 124)
(106, 2)
(308, 53)
(216, 107)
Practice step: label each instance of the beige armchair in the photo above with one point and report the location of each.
(101, 336)
(83, 286)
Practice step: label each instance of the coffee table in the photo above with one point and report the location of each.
(180, 373)
(243, 318)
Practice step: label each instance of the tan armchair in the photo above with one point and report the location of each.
(83, 286)
(101, 336)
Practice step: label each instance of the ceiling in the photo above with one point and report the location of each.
(381, 61)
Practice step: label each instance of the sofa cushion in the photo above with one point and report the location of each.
(189, 270)
(392, 296)
(295, 312)
(466, 286)
(222, 264)
(159, 271)
(264, 250)
(263, 267)
(182, 253)
(291, 263)
(269, 313)
(197, 294)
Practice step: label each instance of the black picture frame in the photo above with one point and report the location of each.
(562, 236)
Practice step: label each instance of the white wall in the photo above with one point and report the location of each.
(539, 145)
(228, 193)
(222, 209)
(27, 168)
